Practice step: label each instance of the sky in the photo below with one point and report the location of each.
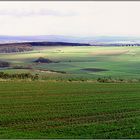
(79, 18)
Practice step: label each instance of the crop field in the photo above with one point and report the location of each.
(79, 62)
(69, 110)
(67, 101)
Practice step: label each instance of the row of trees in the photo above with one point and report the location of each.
(19, 76)
(118, 80)
(36, 77)
(4, 64)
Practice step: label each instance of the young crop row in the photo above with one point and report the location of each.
(88, 110)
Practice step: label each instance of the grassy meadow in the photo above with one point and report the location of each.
(69, 110)
(67, 102)
(80, 62)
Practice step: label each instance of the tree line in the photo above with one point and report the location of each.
(19, 76)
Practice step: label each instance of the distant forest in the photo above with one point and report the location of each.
(15, 47)
(29, 46)
(21, 47)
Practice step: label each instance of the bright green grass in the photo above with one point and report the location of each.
(73, 59)
(69, 110)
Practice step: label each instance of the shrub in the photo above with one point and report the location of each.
(19, 76)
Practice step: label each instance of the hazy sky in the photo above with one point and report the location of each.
(70, 18)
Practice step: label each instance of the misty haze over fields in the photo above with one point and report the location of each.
(73, 39)
(69, 21)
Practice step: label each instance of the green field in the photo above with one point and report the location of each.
(119, 62)
(69, 110)
(67, 101)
